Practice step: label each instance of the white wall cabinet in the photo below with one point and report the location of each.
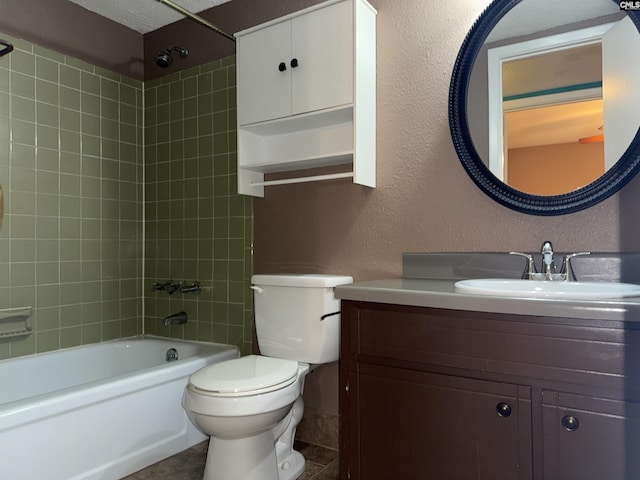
(297, 65)
(306, 95)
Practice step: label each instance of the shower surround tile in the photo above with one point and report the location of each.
(85, 156)
(54, 136)
(197, 227)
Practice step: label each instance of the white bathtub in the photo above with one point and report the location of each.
(100, 411)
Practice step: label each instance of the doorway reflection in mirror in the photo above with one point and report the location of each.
(553, 120)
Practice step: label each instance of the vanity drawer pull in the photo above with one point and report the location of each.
(503, 409)
(570, 423)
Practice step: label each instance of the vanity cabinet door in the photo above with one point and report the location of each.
(299, 65)
(587, 438)
(419, 425)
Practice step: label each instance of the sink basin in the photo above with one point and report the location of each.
(547, 289)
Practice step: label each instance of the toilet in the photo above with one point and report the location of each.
(250, 406)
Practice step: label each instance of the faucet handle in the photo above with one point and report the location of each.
(195, 288)
(567, 269)
(530, 268)
(161, 286)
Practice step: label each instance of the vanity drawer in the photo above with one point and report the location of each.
(524, 346)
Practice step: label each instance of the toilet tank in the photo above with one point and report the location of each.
(298, 316)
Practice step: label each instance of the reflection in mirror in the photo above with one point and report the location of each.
(544, 97)
(545, 112)
(541, 102)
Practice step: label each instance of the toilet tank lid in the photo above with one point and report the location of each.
(301, 280)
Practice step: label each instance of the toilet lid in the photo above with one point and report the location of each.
(246, 375)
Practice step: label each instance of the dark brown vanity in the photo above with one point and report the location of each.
(440, 385)
(431, 389)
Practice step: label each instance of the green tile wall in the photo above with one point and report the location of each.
(84, 155)
(197, 226)
(71, 167)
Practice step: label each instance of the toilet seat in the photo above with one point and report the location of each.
(244, 376)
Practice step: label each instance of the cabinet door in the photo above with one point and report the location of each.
(417, 425)
(264, 89)
(589, 438)
(322, 44)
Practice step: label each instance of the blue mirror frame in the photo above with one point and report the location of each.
(605, 186)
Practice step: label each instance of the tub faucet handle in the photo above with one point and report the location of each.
(194, 288)
(174, 287)
(161, 286)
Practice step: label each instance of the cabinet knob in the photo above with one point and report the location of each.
(294, 62)
(570, 423)
(503, 409)
(282, 67)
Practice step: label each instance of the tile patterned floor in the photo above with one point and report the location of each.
(321, 464)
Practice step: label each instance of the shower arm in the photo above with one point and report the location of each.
(197, 18)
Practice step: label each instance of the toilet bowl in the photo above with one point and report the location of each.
(250, 406)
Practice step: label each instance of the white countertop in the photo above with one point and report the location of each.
(441, 294)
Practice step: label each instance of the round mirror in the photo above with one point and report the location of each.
(543, 102)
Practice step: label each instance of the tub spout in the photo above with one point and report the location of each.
(179, 318)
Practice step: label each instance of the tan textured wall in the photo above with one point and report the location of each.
(67, 28)
(205, 45)
(424, 201)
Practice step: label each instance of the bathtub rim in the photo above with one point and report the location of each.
(20, 412)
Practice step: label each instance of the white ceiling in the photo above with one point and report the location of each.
(144, 15)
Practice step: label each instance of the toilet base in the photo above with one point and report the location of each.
(251, 458)
(292, 466)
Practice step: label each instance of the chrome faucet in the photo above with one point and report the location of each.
(548, 266)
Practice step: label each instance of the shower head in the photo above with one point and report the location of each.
(164, 58)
